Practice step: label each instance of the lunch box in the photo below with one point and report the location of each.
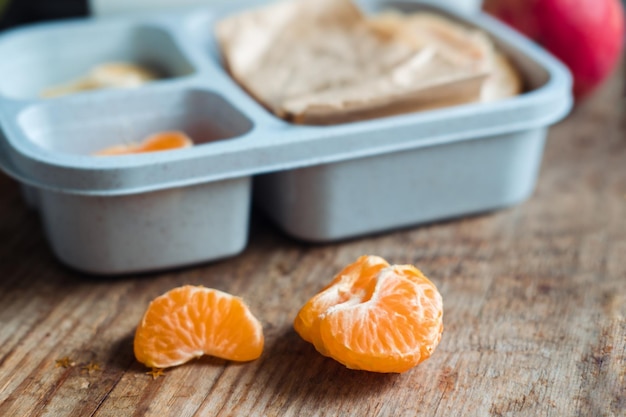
(146, 212)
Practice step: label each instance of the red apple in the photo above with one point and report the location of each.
(587, 35)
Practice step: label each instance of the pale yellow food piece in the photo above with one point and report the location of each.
(109, 75)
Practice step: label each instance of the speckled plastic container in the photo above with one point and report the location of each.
(152, 211)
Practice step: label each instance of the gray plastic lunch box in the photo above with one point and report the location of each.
(112, 215)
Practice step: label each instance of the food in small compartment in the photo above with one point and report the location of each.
(163, 141)
(325, 62)
(109, 75)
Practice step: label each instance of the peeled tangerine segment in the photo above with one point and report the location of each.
(191, 321)
(375, 317)
(162, 141)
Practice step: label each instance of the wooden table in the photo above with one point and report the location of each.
(534, 296)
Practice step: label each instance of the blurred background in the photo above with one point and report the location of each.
(13, 12)
(589, 67)
(17, 12)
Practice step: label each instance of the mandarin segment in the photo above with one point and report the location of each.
(375, 317)
(158, 142)
(360, 274)
(189, 322)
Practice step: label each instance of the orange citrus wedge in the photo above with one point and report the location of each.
(163, 141)
(190, 321)
(374, 317)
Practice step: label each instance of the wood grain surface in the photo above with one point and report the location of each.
(534, 296)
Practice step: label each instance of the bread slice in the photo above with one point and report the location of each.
(324, 62)
(462, 46)
(503, 82)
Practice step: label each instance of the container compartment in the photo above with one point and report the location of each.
(149, 231)
(111, 233)
(367, 195)
(474, 173)
(84, 126)
(52, 54)
(533, 75)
